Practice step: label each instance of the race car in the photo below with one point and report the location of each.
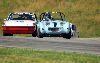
(20, 23)
(53, 24)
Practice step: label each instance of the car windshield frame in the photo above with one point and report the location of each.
(54, 15)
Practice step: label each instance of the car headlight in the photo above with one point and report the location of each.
(62, 23)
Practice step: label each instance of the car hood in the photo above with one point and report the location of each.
(55, 23)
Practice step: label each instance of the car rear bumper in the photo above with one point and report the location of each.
(19, 29)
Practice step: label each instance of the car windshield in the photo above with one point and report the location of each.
(21, 17)
(53, 16)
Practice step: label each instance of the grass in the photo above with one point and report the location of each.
(23, 55)
(83, 13)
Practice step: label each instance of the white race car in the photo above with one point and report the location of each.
(20, 23)
(53, 24)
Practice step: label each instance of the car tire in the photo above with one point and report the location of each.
(67, 36)
(34, 34)
(7, 34)
(39, 34)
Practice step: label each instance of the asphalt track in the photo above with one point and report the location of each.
(81, 45)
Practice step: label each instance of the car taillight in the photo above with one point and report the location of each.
(33, 19)
(34, 24)
(3, 24)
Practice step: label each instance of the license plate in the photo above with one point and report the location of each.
(54, 29)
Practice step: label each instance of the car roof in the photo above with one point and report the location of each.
(23, 13)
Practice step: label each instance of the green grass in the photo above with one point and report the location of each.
(23, 55)
(85, 14)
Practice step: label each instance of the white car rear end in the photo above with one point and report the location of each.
(20, 23)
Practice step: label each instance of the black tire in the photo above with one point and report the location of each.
(39, 34)
(7, 34)
(34, 34)
(67, 36)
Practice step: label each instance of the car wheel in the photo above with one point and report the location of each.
(7, 34)
(67, 36)
(39, 34)
(34, 34)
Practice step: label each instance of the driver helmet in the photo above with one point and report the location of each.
(48, 15)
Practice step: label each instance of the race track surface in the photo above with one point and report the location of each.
(81, 45)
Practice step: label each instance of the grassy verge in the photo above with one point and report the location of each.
(15, 55)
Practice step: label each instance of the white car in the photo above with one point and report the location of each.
(53, 24)
(20, 23)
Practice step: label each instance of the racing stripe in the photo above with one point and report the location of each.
(55, 24)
